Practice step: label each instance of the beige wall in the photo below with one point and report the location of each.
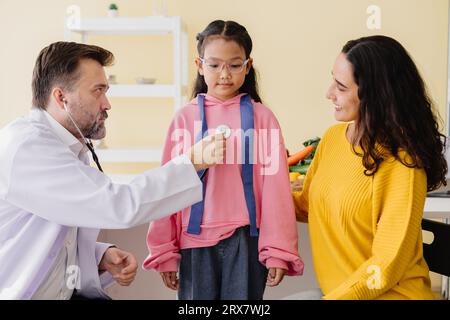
(295, 44)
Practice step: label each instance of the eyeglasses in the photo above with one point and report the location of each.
(216, 66)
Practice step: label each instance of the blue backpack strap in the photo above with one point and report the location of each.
(197, 209)
(247, 125)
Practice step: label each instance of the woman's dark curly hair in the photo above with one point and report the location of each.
(395, 110)
(230, 31)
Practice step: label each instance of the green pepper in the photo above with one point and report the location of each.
(300, 169)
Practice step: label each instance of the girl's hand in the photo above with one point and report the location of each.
(275, 276)
(170, 279)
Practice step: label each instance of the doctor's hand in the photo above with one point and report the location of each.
(170, 279)
(121, 264)
(275, 276)
(208, 151)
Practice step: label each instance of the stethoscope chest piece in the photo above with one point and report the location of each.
(223, 128)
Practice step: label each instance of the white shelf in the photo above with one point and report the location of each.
(125, 26)
(141, 90)
(437, 208)
(152, 25)
(129, 155)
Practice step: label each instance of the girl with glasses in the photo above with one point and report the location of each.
(243, 235)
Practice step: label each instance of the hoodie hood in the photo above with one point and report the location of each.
(211, 101)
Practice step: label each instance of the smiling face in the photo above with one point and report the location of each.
(218, 52)
(343, 91)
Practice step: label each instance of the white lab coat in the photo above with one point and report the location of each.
(45, 188)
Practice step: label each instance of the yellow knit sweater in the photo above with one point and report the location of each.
(365, 231)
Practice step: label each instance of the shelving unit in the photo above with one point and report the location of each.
(141, 90)
(153, 25)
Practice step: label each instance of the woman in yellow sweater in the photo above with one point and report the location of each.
(364, 193)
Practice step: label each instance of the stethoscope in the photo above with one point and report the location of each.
(87, 142)
(220, 129)
(223, 128)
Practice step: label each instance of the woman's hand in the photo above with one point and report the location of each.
(297, 184)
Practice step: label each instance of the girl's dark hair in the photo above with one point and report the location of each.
(230, 31)
(395, 110)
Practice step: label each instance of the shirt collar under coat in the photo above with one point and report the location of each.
(62, 133)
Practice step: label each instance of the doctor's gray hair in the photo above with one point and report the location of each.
(57, 64)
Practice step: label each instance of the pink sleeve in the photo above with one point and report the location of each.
(162, 245)
(162, 236)
(278, 242)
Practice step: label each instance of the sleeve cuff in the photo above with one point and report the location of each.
(100, 249)
(106, 279)
(186, 161)
(276, 263)
(168, 266)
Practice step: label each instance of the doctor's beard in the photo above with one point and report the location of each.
(97, 130)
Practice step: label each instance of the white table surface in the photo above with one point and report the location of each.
(437, 208)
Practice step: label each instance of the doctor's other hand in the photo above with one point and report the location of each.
(274, 276)
(208, 152)
(170, 279)
(121, 264)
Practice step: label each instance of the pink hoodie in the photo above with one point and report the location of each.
(225, 208)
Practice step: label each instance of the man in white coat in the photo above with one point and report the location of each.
(52, 202)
